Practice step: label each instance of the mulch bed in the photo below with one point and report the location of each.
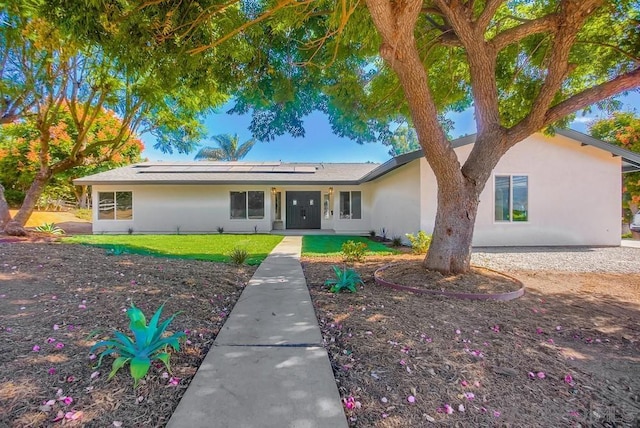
(56, 300)
(479, 281)
(551, 358)
(565, 354)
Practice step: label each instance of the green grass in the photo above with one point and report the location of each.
(198, 247)
(331, 245)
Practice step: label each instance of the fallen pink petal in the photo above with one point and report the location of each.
(59, 345)
(411, 399)
(52, 371)
(568, 379)
(541, 375)
(35, 348)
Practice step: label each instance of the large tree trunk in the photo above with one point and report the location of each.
(33, 195)
(5, 215)
(450, 250)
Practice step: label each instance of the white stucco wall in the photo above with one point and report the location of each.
(574, 199)
(396, 202)
(574, 195)
(352, 226)
(192, 208)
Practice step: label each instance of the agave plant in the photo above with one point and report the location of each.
(146, 346)
(49, 228)
(346, 279)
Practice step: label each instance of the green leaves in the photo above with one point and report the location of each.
(148, 344)
(345, 280)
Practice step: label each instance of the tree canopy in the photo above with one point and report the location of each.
(522, 65)
(20, 155)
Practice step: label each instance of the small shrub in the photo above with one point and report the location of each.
(345, 280)
(83, 213)
(255, 229)
(372, 233)
(419, 244)
(220, 230)
(130, 231)
(383, 233)
(353, 251)
(146, 346)
(50, 228)
(628, 235)
(238, 255)
(396, 241)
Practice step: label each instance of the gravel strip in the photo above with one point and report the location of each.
(564, 259)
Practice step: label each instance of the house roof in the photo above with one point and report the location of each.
(273, 173)
(630, 160)
(204, 172)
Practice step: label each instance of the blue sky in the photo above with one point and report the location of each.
(320, 144)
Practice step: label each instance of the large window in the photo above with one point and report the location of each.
(512, 198)
(247, 205)
(351, 205)
(115, 205)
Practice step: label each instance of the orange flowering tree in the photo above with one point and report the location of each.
(69, 104)
(623, 129)
(20, 155)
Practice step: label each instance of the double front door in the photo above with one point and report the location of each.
(303, 210)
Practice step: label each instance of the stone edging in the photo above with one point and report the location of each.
(471, 296)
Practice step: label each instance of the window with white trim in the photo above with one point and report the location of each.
(247, 205)
(511, 198)
(351, 205)
(115, 205)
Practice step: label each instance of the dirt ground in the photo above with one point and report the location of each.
(565, 354)
(66, 220)
(56, 300)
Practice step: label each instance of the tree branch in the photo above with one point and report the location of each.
(624, 82)
(516, 34)
(487, 14)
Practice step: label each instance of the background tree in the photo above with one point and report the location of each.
(623, 129)
(523, 66)
(19, 157)
(403, 140)
(80, 79)
(228, 149)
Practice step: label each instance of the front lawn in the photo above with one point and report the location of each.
(331, 245)
(197, 247)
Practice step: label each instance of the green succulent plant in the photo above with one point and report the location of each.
(346, 279)
(50, 228)
(147, 345)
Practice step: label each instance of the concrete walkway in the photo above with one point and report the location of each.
(267, 367)
(630, 243)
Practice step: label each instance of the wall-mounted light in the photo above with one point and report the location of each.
(330, 191)
(273, 190)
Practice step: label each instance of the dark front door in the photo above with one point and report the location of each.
(303, 210)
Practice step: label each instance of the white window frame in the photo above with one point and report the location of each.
(246, 205)
(114, 202)
(350, 192)
(511, 220)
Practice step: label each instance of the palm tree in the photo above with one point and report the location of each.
(228, 149)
